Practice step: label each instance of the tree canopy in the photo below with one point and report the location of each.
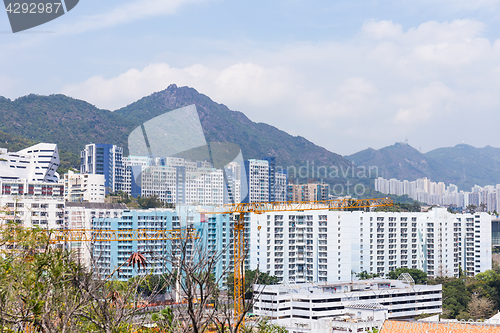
(420, 277)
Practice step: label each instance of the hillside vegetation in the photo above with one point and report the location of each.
(72, 123)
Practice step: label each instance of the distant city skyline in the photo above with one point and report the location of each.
(432, 193)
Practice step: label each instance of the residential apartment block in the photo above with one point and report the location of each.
(160, 253)
(84, 187)
(184, 185)
(308, 192)
(88, 215)
(46, 212)
(330, 246)
(104, 159)
(133, 167)
(277, 180)
(233, 180)
(257, 172)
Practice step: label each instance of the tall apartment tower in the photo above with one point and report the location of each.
(104, 159)
(83, 187)
(232, 188)
(308, 192)
(277, 181)
(280, 186)
(257, 173)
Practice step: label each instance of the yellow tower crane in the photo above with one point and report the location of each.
(102, 235)
(264, 207)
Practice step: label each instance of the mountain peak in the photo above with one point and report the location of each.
(220, 124)
(399, 160)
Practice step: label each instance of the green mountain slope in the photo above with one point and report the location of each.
(69, 122)
(72, 123)
(14, 143)
(462, 165)
(220, 124)
(400, 161)
(466, 166)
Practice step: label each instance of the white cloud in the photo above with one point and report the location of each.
(421, 104)
(245, 83)
(128, 12)
(385, 84)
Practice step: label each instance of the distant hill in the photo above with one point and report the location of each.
(14, 143)
(220, 124)
(462, 165)
(466, 165)
(69, 122)
(72, 123)
(400, 161)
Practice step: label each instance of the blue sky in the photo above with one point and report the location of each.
(346, 75)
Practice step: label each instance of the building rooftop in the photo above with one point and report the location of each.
(97, 205)
(344, 287)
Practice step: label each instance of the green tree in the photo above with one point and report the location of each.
(455, 297)
(165, 320)
(471, 208)
(364, 275)
(420, 277)
(40, 285)
(152, 202)
(43, 289)
(251, 277)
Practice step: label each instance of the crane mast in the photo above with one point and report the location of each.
(106, 235)
(264, 207)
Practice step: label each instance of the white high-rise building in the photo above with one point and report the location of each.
(280, 187)
(327, 246)
(133, 166)
(484, 198)
(204, 187)
(233, 189)
(84, 187)
(257, 172)
(37, 163)
(176, 180)
(104, 159)
(160, 181)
